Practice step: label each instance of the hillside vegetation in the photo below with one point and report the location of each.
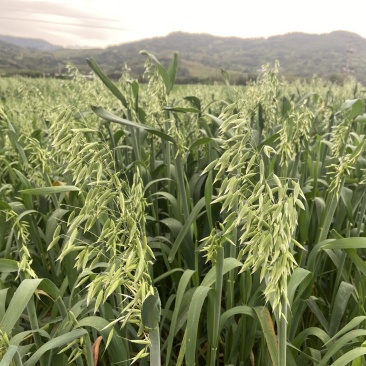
(333, 56)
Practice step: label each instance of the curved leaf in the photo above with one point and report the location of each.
(349, 356)
(102, 113)
(106, 81)
(229, 264)
(242, 309)
(57, 342)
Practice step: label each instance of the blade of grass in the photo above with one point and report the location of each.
(267, 326)
(183, 283)
(195, 310)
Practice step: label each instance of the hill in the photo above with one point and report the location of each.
(31, 43)
(334, 56)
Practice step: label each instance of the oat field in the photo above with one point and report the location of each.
(158, 224)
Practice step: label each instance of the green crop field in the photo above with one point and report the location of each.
(182, 225)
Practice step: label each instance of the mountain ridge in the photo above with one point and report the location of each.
(31, 43)
(334, 56)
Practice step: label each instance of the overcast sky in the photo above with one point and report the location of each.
(100, 23)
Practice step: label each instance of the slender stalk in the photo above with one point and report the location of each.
(135, 143)
(181, 184)
(135, 134)
(232, 274)
(328, 215)
(361, 215)
(295, 165)
(217, 305)
(282, 335)
(229, 295)
(154, 203)
(166, 151)
(155, 359)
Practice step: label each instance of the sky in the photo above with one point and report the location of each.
(100, 23)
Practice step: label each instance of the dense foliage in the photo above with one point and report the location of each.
(184, 225)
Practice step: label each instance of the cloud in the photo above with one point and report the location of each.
(59, 23)
(9, 7)
(104, 22)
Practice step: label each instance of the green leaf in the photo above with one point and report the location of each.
(361, 118)
(242, 309)
(298, 276)
(202, 141)
(357, 260)
(359, 361)
(49, 288)
(346, 196)
(117, 348)
(106, 81)
(354, 107)
(174, 225)
(8, 265)
(340, 304)
(102, 113)
(20, 337)
(346, 243)
(151, 311)
(341, 343)
(57, 342)
(181, 109)
(9, 355)
(183, 283)
(269, 141)
(352, 324)
(172, 70)
(3, 294)
(167, 274)
(53, 221)
(196, 102)
(172, 201)
(208, 198)
(349, 356)
(266, 322)
(4, 206)
(311, 331)
(185, 229)
(49, 190)
(285, 106)
(226, 78)
(194, 312)
(229, 264)
(318, 313)
(163, 73)
(18, 303)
